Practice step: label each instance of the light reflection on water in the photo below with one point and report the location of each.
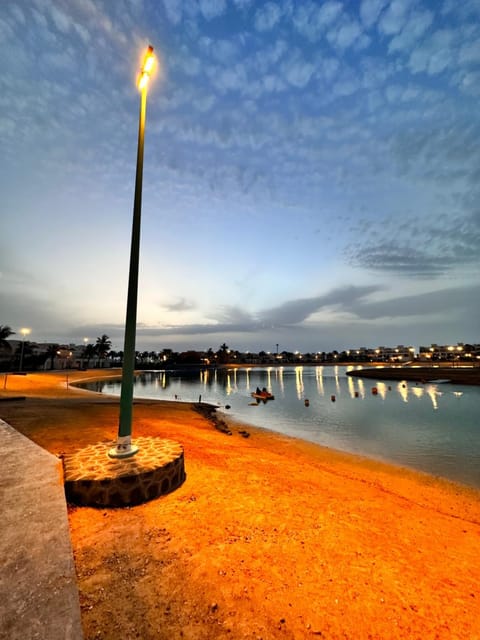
(432, 427)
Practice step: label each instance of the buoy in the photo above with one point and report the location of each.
(332, 398)
(374, 391)
(356, 394)
(227, 406)
(307, 402)
(389, 388)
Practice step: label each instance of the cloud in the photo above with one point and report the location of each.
(469, 82)
(431, 247)
(173, 9)
(270, 55)
(446, 151)
(465, 10)
(212, 8)
(296, 311)
(233, 314)
(416, 26)
(60, 20)
(267, 17)
(182, 304)
(18, 14)
(311, 20)
(232, 78)
(225, 51)
(390, 257)
(435, 55)
(356, 302)
(393, 19)
(243, 4)
(469, 53)
(297, 71)
(345, 34)
(370, 11)
(329, 12)
(460, 299)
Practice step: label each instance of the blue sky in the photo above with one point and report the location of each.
(311, 175)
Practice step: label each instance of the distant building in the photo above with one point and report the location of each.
(443, 353)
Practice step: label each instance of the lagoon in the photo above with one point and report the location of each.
(431, 427)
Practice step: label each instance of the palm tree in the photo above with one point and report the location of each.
(5, 332)
(88, 353)
(103, 346)
(51, 354)
(223, 353)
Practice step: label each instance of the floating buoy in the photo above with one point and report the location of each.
(307, 402)
(374, 391)
(356, 394)
(332, 398)
(389, 388)
(227, 406)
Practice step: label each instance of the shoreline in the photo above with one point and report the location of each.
(453, 375)
(221, 418)
(269, 536)
(63, 384)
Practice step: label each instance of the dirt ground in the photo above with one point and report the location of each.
(269, 537)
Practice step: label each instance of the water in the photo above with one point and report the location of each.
(433, 427)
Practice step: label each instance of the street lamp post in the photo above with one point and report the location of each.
(24, 332)
(85, 342)
(124, 447)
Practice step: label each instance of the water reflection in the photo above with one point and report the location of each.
(361, 388)
(351, 387)
(269, 379)
(432, 394)
(403, 391)
(417, 391)
(319, 378)
(337, 382)
(299, 382)
(229, 385)
(382, 390)
(281, 383)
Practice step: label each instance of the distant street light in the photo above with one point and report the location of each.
(124, 447)
(24, 332)
(85, 342)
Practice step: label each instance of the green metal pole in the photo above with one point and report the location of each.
(124, 446)
(21, 355)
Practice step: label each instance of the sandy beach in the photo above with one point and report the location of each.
(269, 537)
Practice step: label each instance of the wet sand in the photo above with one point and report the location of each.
(269, 537)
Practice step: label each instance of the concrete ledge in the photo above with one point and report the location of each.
(38, 589)
(94, 479)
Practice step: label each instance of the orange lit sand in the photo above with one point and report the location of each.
(269, 537)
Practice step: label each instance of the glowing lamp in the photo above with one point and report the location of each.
(148, 63)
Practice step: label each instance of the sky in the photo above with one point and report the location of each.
(311, 172)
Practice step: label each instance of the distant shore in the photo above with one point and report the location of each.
(456, 375)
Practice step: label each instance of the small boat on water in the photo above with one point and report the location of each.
(262, 395)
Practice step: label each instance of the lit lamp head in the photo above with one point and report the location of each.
(146, 70)
(25, 332)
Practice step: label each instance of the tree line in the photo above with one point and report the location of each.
(24, 354)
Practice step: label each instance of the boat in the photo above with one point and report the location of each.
(263, 395)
